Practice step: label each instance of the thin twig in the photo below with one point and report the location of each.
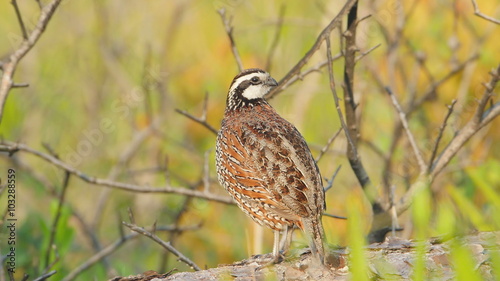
(480, 119)
(20, 19)
(201, 121)
(175, 234)
(365, 53)
(9, 66)
(229, 32)
(436, 84)
(45, 276)
(53, 230)
(206, 172)
(89, 233)
(330, 181)
(351, 122)
(302, 74)
(334, 92)
(164, 244)
(315, 47)
(274, 44)
(441, 131)
(12, 148)
(328, 144)
(112, 248)
(404, 122)
(334, 216)
(481, 15)
(20, 85)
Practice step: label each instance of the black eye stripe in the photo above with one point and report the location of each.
(243, 85)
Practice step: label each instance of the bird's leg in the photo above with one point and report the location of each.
(286, 240)
(276, 256)
(276, 246)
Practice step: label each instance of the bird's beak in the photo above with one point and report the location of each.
(271, 82)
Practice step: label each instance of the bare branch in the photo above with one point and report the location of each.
(20, 85)
(112, 248)
(334, 216)
(229, 31)
(478, 13)
(404, 122)
(328, 144)
(436, 84)
(9, 67)
(201, 120)
(20, 19)
(321, 37)
(357, 168)
(330, 181)
(480, 119)
(53, 229)
(363, 54)
(126, 155)
(45, 276)
(351, 126)
(15, 147)
(300, 76)
(335, 95)
(274, 44)
(441, 130)
(164, 244)
(85, 228)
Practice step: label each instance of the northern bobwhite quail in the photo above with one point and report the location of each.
(266, 166)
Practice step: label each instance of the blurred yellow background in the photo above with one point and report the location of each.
(104, 71)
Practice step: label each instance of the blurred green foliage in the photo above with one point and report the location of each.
(104, 70)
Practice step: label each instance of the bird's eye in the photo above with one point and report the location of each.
(255, 79)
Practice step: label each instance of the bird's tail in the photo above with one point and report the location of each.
(313, 228)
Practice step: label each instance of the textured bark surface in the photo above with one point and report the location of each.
(393, 259)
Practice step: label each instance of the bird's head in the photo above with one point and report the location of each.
(249, 88)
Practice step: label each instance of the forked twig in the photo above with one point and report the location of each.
(103, 253)
(53, 229)
(201, 121)
(478, 13)
(20, 19)
(441, 131)
(45, 276)
(276, 39)
(229, 32)
(315, 47)
(328, 144)
(164, 244)
(12, 148)
(411, 138)
(9, 66)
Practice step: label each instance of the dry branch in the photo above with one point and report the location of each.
(296, 70)
(9, 67)
(441, 131)
(164, 244)
(15, 147)
(229, 31)
(202, 121)
(478, 13)
(276, 39)
(411, 138)
(112, 248)
(480, 119)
